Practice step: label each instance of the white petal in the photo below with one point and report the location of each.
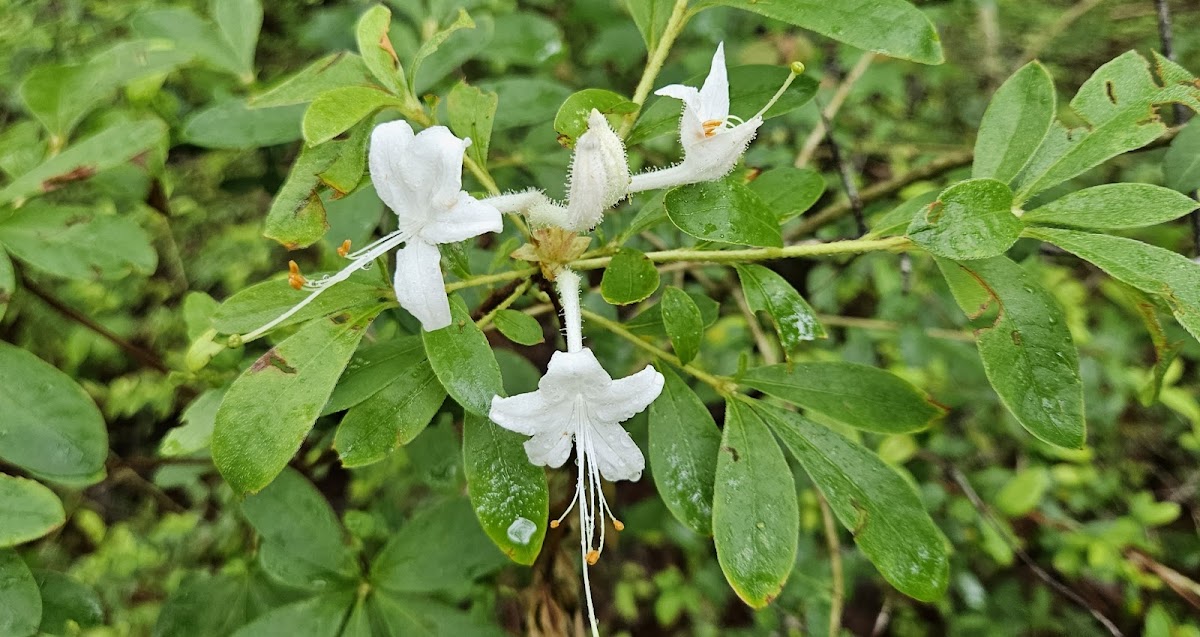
(625, 397)
(615, 453)
(549, 449)
(419, 285)
(437, 158)
(691, 130)
(690, 96)
(714, 157)
(529, 413)
(573, 374)
(714, 95)
(390, 144)
(468, 218)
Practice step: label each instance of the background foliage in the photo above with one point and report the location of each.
(111, 277)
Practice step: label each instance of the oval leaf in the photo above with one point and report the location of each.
(1114, 207)
(683, 322)
(28, 511)
(629, 278)
(376, 49)
(519, 327)
(572, 118)
(509, 494)
(259, 304)
(391, 418)
(334, 112)
(463, 360)
(789, 191)
(64, 600)
(76, 243)
(725, 211)
(972, 219)
(20, 601)
(795, 321)
(1181, 164)
(472, 113)
(1015, 123)
(320, 616)
(684, 443)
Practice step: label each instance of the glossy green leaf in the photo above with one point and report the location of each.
(390, 418)
(238, 22)
(650, 321)
(65, 599)
(429, 618)
(629, 278)
(472, 112)
(51, 426)
(684, 442)
(301, 542)
(76, 243)
(271, 407)
(320, 616)
(1113, 105)
(113, 146)
(8, 281)
(335, 111)
(972, 219)
(1181, 164)
(755, 513)
(572, 118)
(1113, 207)
(195, 35)
(751, 87)
(463, 360)
(794, 320)
(519, 327)
(1015, 123)
(861, 396)
(418, 559)
(376, 48)
(332, 71)
(1028, 354)
(20, 601)
(879, 507)
(373, 367)
(1024, 491)
(259, 304)
(509, 494)
(28, 510)
(725, 211)
(233, 124)
(789, 191)
(683, 322)
(1169, 275)
(892, 27)
(297, 215)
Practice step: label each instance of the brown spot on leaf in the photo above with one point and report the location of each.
(1016, 338)
(57, 181)
(733, 452)
(934, 214)
(1110, 90)
(272, 359)
(386, 45)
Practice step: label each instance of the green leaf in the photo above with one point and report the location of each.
(1114, 207)
(1115, 105)
(332, 71)
(519, 327)
(861, 396)
(789, 191)
(725, 211)
(259, 304)
(429, 618)
(297, 215)
(376, 48)
(650, 321)
(1023, 492)
(428, 47)
(270, 408)
(460, 47)
(51, 426)
(64, 600)
(873, 501)
(76, 243)
(320, 616)
(239, 21)
(20, 601)
(1148, 268)
(683, 322)
(1181, 164)
(233, 124)
(301, 542)
(684, 443)
(463, 360)
(755, 514)
(750, 88)
(21, 148)
(418, 559)
(390, 418)
(572, 118)
(372, 368)
(509, 494)
(472, 112)
(196, 36)
(523, 39)
(651, 18)
(1015, 123)
(8, 281)
(525, 101)
(196, 431)
(629, 278)
(892, 27)
(206, 605)
(1027, 353)
(28, 511)
(345, 172)
(972, 219)
(794, 320)
(335, 111)
(111, 147)
(897, 220)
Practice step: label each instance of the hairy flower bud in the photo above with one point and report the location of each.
(599, 174)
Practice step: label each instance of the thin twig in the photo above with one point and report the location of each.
(835, 151)
(838, 594)
(889, 326)
(831, 109)
(1181, 112)
(144, 356)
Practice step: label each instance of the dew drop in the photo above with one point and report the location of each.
(521, 530)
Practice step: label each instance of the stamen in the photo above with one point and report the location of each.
(555, 523)
(795, 69)
(344, 249)
(592, 557)
(711, 127)
(295, 279)
(618, 525)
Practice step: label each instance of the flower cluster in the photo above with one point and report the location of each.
(577, 404)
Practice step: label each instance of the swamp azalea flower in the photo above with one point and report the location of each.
(713, 140)
(578, 404)
(418, 176)
(599, 179)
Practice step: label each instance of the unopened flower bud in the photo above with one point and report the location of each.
(599, 174)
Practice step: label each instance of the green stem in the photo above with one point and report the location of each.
(489, 279)
(723, 386)
(503, 305)
(654, 64)
(837, 598)
(855, 246)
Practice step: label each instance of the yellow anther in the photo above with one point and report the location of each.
(554, 524)
(295, 279)
(593, 556)
(618, 525)
(711, 126)
(344, 249)
(797, 68)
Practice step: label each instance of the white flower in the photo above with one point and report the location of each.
(418, 176)
(578, 404)
(713, 140)
(599, 174)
